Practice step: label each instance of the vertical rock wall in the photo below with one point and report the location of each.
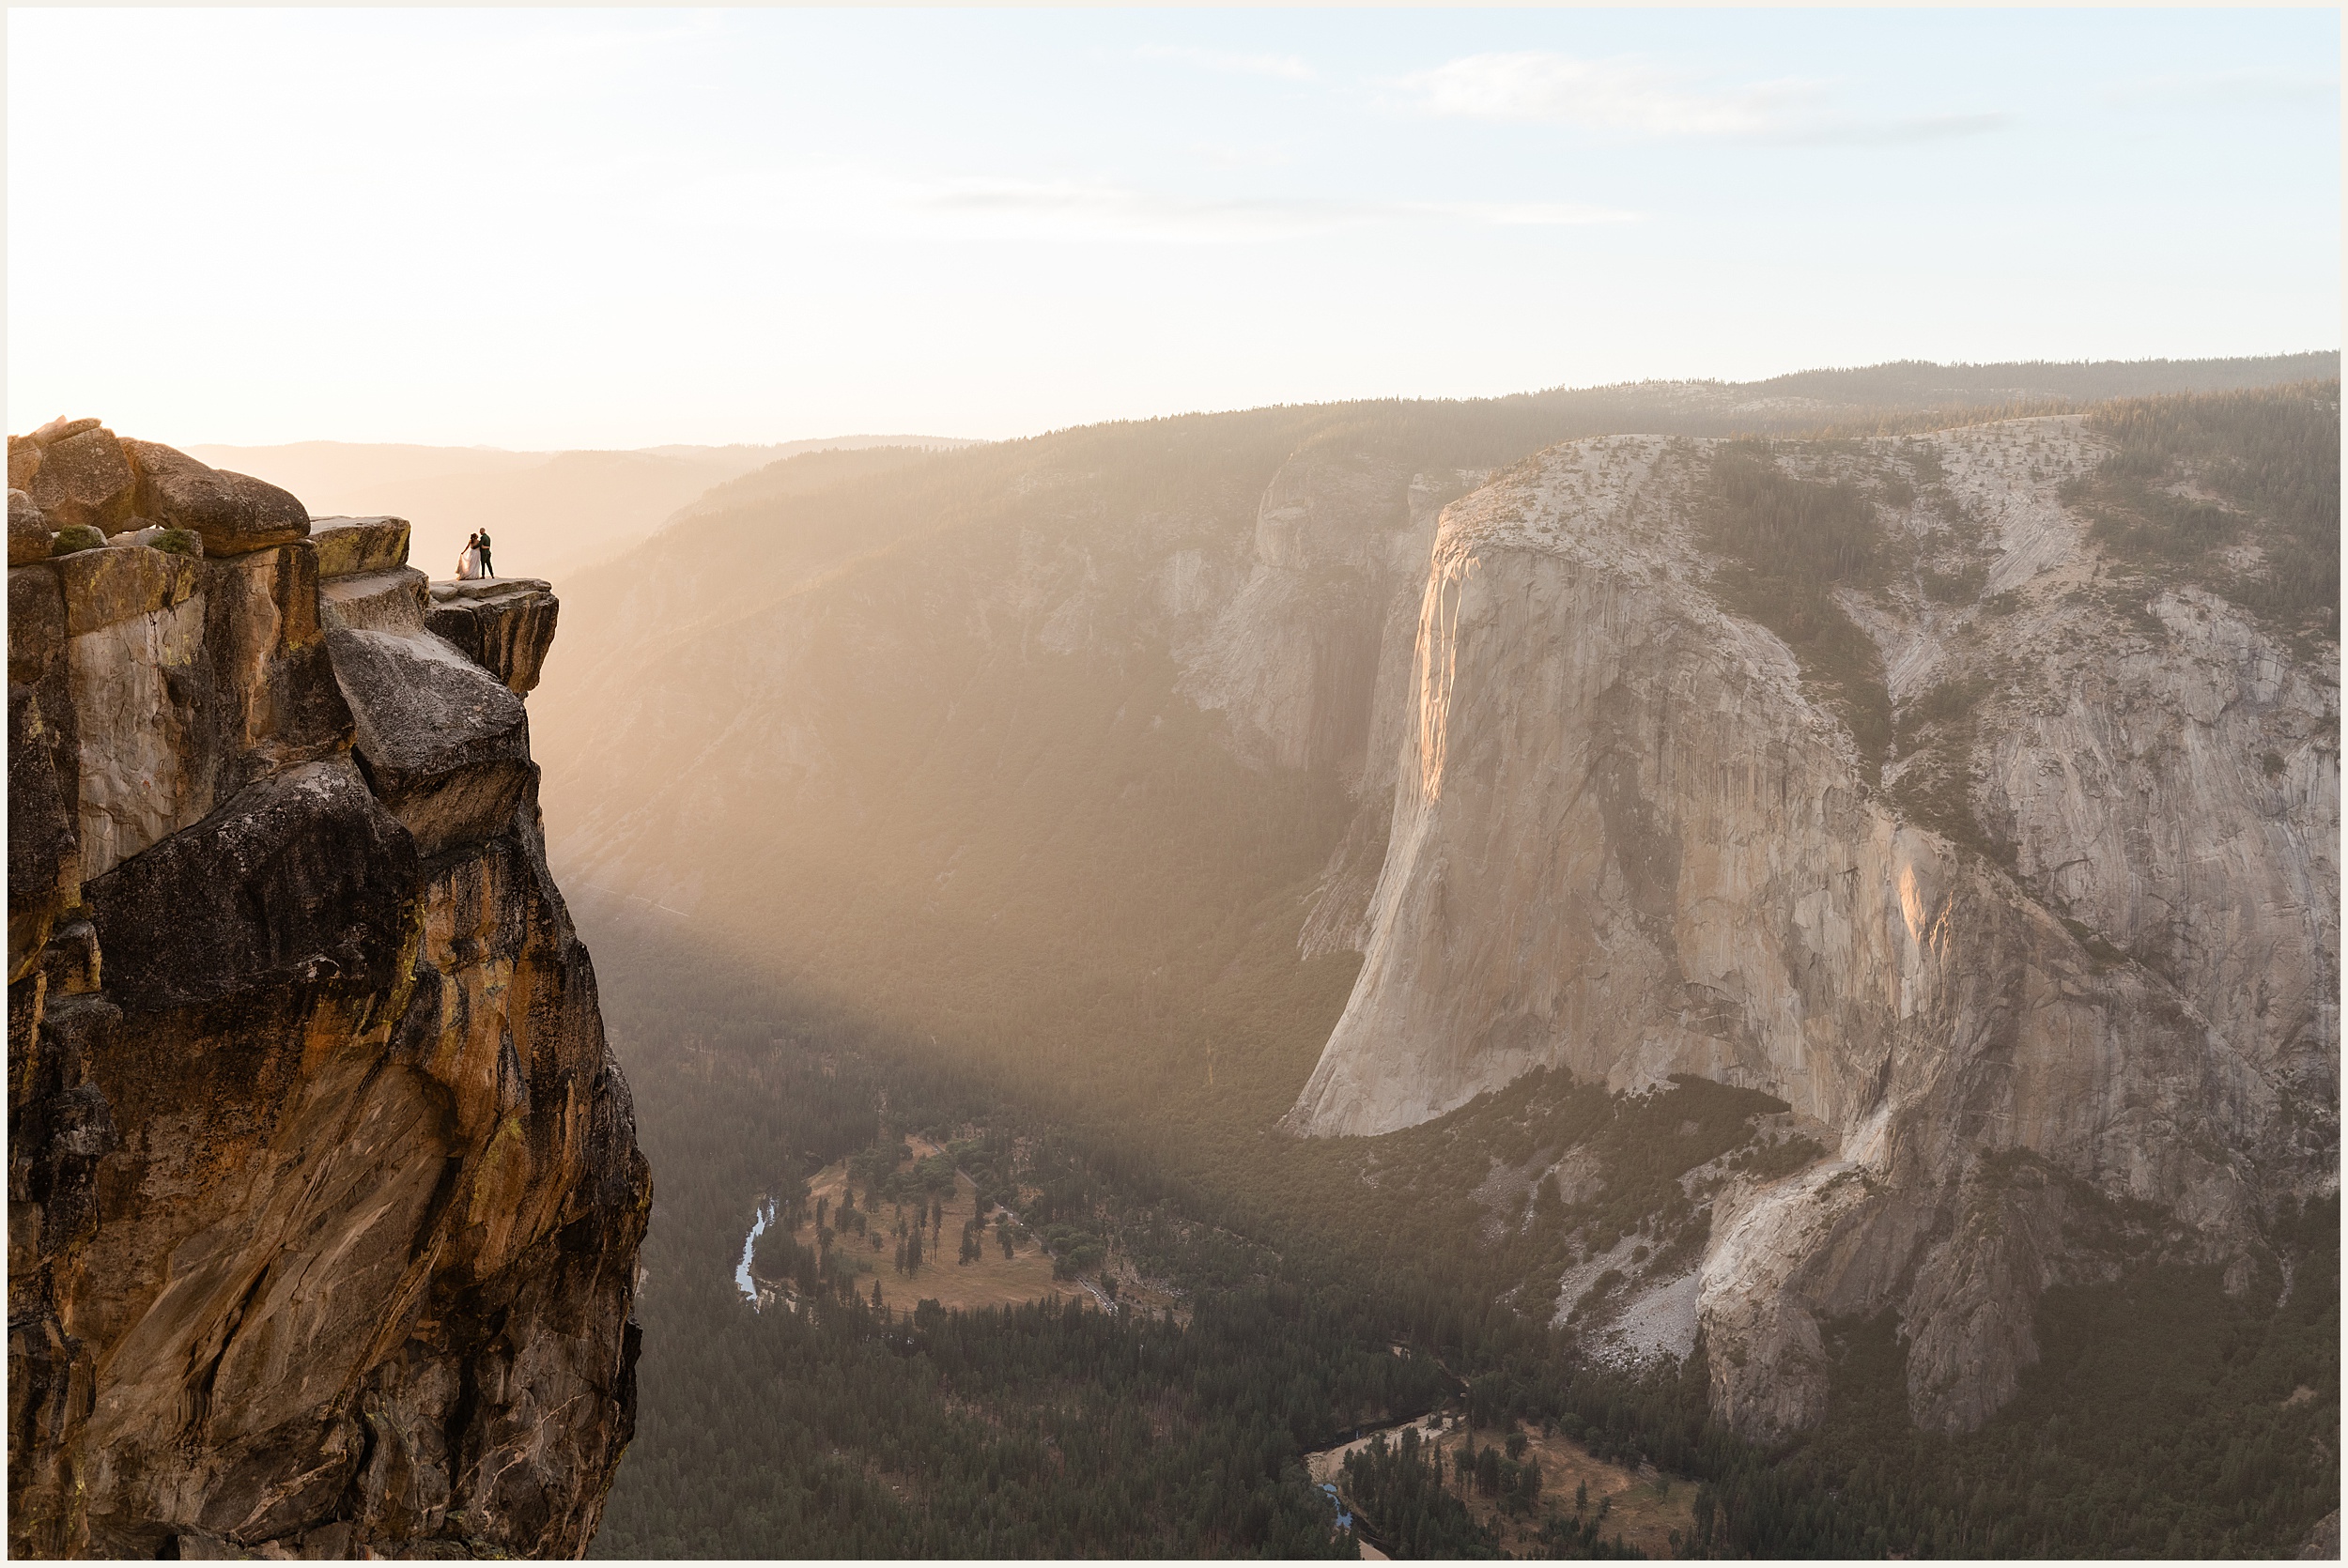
(1629, 838)
(324, 1197)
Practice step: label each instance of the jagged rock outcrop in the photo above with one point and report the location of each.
(1629, 840)
(504, 624)
(324, 1197)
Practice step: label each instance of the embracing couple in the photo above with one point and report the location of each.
(473, 559)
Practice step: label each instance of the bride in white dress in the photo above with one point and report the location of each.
(469, 559)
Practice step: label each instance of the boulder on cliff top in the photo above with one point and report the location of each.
(235, 513)
(85, 478)
(353, 547)
(504, 624)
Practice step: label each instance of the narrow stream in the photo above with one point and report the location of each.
(765, 1214)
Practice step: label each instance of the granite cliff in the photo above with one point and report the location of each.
(324, 1199)
(2066, 957)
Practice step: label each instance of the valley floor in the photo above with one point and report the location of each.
(989, 1409)
(1016, 1270)
(1644, 1508)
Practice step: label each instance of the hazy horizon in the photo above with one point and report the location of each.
(550, 230)
(222, 449)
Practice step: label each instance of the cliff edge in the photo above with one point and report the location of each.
(324, 1197)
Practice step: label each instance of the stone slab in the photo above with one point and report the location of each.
(390, 601)
(504, 624)
(85, 478)
(350, 546)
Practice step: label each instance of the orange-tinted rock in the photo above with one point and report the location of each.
(29, 535)
(356, 547)
(84, 479)
(235, 512)
(24, 461)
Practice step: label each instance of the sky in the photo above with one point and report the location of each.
(547, 228)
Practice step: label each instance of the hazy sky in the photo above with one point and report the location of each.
(553, 228)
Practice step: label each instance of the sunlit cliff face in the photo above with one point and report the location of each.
(1632, 838)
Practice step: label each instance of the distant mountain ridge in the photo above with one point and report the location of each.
(1921, 381)
(550, 512)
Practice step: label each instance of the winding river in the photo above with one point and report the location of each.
(764, 1216)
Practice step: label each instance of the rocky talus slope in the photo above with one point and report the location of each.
(1631, 836)
(324, 1199)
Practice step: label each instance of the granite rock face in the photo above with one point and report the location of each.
(324, 1197)
(504, 624)
(445, 746)
(1627, 837)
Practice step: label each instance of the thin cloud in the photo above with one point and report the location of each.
(1288, 68)
(841, 200)
(1232, 155)
(2224, 89)
(1892, 134)
(1070, 210)
(1598, 95)
(1636, 98)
